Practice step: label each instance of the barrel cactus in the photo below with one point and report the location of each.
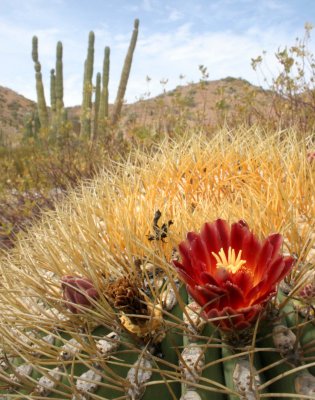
(168, 279)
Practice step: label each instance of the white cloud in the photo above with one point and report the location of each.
(159, 54)
(174, 15)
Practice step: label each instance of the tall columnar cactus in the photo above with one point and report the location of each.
(125, 74)
(59, 79)
(86, 109)
(53, 106)
(28, 126)
(103, 112)
(41, 102)
(97, 104)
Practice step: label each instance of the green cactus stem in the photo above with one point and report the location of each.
(28, 126)
(97, 104)
(52, 92)
(41, 102)
(59, 79)
(103, 112)
(86, 110)
(125, 74)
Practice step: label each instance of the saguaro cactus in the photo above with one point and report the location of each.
(41, 102)
(86, 110)
(28, 126)
(103, 111)
(97, 104)
(59, 79)
(53, 92)
(125, 74)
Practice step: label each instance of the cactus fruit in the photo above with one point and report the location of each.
(125, 74)
(41, 102)
(126, 327)
(86, 109)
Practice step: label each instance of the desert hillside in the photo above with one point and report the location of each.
(210, 101)
(13, 110)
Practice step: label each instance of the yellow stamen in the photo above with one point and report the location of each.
(231, 263)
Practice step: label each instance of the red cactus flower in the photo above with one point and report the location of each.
(230, 273)
(80, 291)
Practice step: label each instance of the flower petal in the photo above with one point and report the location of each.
(238, 233)
(243, 279)
(189, 279)
(224, 232)
(234, 295)
(251, 250)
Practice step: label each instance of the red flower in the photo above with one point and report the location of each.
(80, 291)
(230, 273)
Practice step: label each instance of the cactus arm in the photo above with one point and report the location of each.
(41, 102)
(53, 91)
(97, 104)
(59, 83)
(125, 74)
(86, 109)
(105, 79)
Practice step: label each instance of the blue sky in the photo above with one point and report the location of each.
(175, 37)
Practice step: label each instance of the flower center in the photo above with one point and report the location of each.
(231, 263)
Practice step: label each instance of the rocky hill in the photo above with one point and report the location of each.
(209, 101)
(13, 109)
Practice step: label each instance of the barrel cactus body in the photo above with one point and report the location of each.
(165, 349)
(130, 292)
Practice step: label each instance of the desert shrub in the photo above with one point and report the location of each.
(293, 88)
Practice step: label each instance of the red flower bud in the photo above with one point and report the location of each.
(80, 291)
(230, 273)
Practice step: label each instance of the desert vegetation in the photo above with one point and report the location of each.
(165, 248)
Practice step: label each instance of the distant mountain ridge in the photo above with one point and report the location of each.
(209, 99)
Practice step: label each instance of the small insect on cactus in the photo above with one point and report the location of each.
(144, 302)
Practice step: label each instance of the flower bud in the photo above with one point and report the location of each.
(78, 291)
